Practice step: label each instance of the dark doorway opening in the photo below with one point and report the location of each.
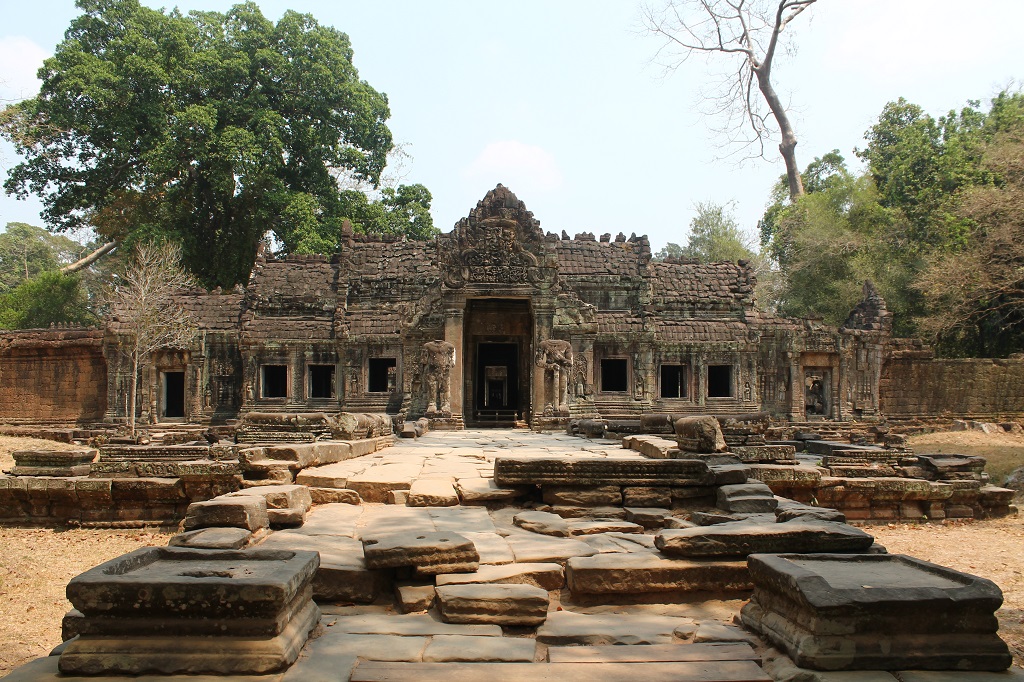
(673, 381)
(275, 381)
(174, 395)
(614, 375)
(719, 381)
(321, 381)
(496, 397)
(383, 375)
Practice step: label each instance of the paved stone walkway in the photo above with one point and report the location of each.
(627, 616)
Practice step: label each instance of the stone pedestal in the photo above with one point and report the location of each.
(168, 610)
(875, 612)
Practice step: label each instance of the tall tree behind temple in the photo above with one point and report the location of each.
(209, 128)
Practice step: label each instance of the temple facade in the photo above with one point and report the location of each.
(497, 322)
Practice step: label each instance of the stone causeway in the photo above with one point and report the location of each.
(505, 554)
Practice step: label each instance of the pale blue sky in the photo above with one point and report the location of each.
(560, 102)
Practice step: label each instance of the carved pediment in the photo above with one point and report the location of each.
(500, 242)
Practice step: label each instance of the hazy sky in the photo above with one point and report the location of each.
(561, 102)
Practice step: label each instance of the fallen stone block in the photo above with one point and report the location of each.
(591, 527)
(212, 538)
(544, 523)
(432, 492)
(414, 597)
(750, 537)
(548, 576)
(334, 496)
(582, 471)
(483, 490)
(500, 604)
(700, 434)
(280, 496)
(430, 552)
(619, 542)
(648, 517)
(247, 512)
(747, 498)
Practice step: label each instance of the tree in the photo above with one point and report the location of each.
(714, 236)
(208, 128)
(46, 299)
(27, 251)
(144, 311)
(976, 296)
(748, 33)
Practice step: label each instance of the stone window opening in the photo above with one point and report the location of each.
(274, 381)
(673, 381)
(614, 375)
(720, 381)
(383, 374)
(321, 381)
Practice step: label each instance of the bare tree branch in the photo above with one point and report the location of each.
(90, 258)
(746, 30)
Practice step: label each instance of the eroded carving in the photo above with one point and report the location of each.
(438, 358)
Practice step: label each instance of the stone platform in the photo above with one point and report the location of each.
(564, 581)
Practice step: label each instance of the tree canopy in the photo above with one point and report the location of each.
(27, 250)
(931, 222)
(207, 128)
(714, 236)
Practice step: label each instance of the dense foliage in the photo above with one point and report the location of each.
(208, 128)
(937, 195)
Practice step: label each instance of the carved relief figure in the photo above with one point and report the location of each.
(438, 359)
(555, 357)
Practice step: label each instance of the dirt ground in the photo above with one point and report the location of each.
(36, 564)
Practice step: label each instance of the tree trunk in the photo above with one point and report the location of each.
(132, 387)
(788, 146)
(90, 259)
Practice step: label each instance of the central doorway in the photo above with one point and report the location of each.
(497, 352)
(173, 395)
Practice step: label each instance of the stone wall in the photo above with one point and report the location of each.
(915, 384)
(52, 375)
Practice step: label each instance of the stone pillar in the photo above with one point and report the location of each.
(542, 323)
(297, 367)
(561, 385)
(797, 398)
(453, 334)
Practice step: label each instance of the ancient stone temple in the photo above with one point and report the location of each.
(497, 322)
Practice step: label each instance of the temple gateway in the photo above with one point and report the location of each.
(496, 322)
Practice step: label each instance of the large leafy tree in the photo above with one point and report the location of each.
(27, 250)
(209, 128)
(714, 236)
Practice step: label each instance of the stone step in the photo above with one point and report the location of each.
(708, 651)
(742, 538)
(700, 671)
(486, 603)
(647, 572)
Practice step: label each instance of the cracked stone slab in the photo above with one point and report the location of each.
(742, 538)
(544, 523)
(342, 575)
(547, 576)
(432, 492)
(533, 548)
(493, 548)
(483, 490)
(653, 652)
(686, 671)
(428, 552)
(568, 627)
(498, 603)
(332, 519)
(410, 626)
(465, 648)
